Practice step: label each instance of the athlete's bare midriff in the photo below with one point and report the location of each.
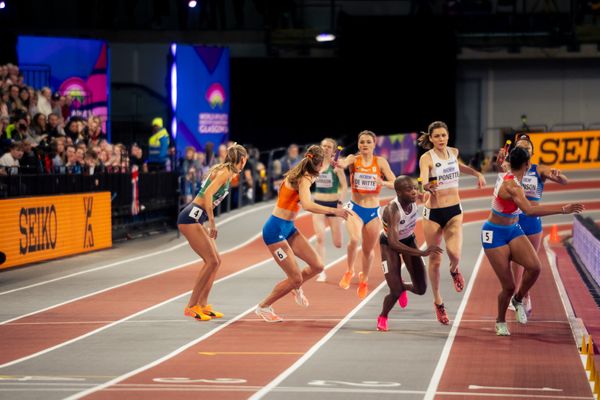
(443, 198)
(370, 200)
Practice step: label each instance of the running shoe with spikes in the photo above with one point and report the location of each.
(403, 299)
(322, 277)
(267, 314)
(502, 329)
(346, 278)
(440, 312)
(363, 287)
(458, 280)
(300, 298)
(208, 310)
(382, 323)
(520, 313)
(197, 313)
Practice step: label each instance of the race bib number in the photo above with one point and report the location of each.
(425, 212)
(196, 213)
(487, 236)
(280, 254)
(367, 182)
(384, 267)
(325, 181)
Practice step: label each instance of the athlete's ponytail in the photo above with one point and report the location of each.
(235, 153)
(311, 163)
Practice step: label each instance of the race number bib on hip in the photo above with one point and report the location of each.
(487, 236)
(280, 254)
(366, 182)
(384, 267)
(196, 213)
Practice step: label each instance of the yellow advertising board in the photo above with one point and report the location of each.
(41, 228)
(567, 150)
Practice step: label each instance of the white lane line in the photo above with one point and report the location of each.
(315, 347)
(114, 264)
(58, 346)
(332, 318)
(437, 374)
(197, 260)
(177, 351)
(394, 393)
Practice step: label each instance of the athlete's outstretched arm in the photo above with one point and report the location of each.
(310, 206)
(465, 169)
(343, 183)
(536, 210)
(554, 174)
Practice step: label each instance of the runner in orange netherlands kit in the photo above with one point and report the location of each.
(330, 191)
(398, 238)
(202, 240)
(442, 214)
(366, 172)
(285, 242)
(503, 239)
(533, 184)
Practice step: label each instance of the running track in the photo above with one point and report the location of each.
(242, 357)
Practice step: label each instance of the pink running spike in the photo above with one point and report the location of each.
(403, 299)
(382, 323)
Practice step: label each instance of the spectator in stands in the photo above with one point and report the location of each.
(53, 128)
(59, 158)
(137, 159)
(93, 130)
(33, 101)
(38, 124)
(4, 140)
(9, 162)
(104, 158)
(29, 162)
(221, 153)
(55, 103)
(209, 151)
(92, 165)
(120, 162)
(72, 166)
(44, 99)
(74, 129)
(4, 102)
(19, 129)
(172, 163)
(290, 159)
(190, 161)
(14, 101)
(24, 97)
(191, 184)
(158, 146)
(66, 108)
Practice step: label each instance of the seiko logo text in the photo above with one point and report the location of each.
(39, 229)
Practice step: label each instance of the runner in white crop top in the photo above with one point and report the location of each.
(442, 214)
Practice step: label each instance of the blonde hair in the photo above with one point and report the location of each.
(235, 153)
(309, 164)
(424, 140)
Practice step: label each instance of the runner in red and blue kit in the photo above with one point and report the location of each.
(533, 185)
(503, 239)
